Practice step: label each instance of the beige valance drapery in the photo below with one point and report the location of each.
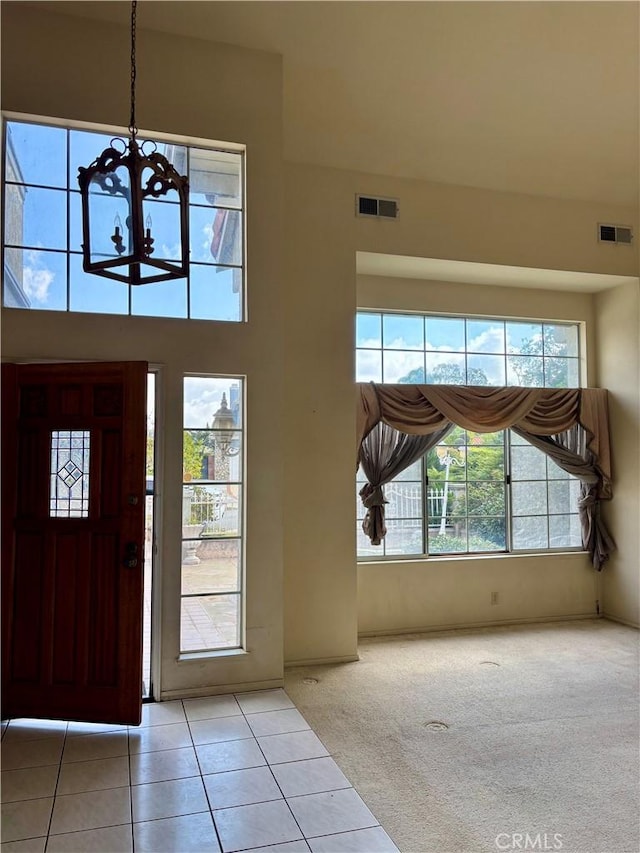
(424, 409)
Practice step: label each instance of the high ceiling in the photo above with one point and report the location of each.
(532, 97)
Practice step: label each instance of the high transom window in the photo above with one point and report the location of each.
(42, 228)
(474, 492)
(466, 351)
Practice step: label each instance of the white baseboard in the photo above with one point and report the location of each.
(430, 629)
(216, 689)
(290, 664)
(621, 621)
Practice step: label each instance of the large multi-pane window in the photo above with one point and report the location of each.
(463, 351)
(212, 514)
(42, 228)
(474, 492)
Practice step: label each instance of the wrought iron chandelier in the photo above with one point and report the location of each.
(129, 180)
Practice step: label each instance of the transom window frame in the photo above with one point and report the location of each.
(386, 552)
(475, 359)
(234, 273)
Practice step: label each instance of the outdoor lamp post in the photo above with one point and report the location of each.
(224, 426)
(119, 191)
(447, 459)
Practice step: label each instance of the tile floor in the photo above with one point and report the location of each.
(226, 773)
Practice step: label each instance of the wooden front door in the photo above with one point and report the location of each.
(73, 503)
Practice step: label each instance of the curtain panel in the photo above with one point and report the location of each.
(385, 453)
(548, 414)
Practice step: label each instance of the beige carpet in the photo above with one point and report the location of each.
(541, 740)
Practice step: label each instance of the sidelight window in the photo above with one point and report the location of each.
(212, 514)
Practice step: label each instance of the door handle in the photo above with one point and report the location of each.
(130, 560)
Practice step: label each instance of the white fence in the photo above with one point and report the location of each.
(407, 500)
(212, 511)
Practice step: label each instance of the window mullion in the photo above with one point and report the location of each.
(507, 491)
(188, 172)
(425, 505)
(68, 211)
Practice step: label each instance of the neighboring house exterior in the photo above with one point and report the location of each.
(14, 294)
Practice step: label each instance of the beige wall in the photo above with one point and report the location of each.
(439, 593)
(179, 91)
(322, 296)
(297, 349)
(618, 354)
(466, 224)
(319, 538)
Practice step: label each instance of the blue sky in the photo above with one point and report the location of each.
(41, 153)
(390, 346)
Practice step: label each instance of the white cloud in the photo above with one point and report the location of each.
(36, 280)
(368, 366)
(203, 396)
(491, 340)
(400, 343)
(443, 348)
(436, 358)
(206, 243)
(397, 365)
(371, 343)
(170, 252)
(151, 399)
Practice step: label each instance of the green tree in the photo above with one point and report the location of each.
(528, 370)
(192, 452)
(485, 462)
(448, 373)
(483, 453)
(435, 471)
(204, 438)
(150, 454)
(448, 544)
(475, 491)
(414, 377)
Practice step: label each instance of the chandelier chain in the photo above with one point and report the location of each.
(132, 121)
(131, 177)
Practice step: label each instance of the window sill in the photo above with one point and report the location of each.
(454, 558)
(198, 657)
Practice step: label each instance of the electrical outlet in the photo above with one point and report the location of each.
(494, 597)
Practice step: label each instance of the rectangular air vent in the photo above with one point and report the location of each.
(615, 234)
(381, 208)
